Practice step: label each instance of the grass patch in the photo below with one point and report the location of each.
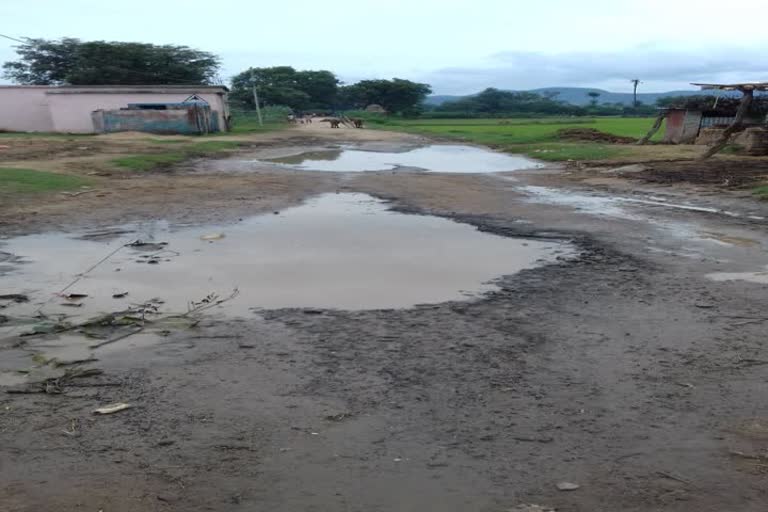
(537, 138)
(149, 162)
(564, 152)
(761, 192)
(168, 141)
(30, 181)
(43, 135)
(251, 126)
(161, 160)
(212, 146)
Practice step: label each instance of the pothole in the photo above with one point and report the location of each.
(449, 158)
(344, 251)
(759, 277)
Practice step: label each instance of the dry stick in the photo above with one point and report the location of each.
(197, 309)
(39, 310)
(116, 338)
(746, 101)
(673, 477)
(82, 275)
(75, 194)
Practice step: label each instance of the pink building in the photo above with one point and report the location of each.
(68, 109)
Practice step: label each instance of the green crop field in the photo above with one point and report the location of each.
(534, 137)
(14, 180)
(175, 155)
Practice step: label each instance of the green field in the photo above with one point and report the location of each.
(14, 180)
(177, 155)
(534, 137)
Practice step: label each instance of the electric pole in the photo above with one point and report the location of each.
(635, 83)
(256, 98)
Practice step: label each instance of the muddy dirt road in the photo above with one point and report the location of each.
(626, 356)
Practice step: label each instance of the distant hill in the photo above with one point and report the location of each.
(578, 96)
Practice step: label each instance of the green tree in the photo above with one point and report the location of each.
(70, 61)
(594, 95)
(397, 96)
(283, 85)
(492, 102)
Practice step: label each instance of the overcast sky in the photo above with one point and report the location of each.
(458, 46)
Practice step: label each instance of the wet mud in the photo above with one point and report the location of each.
(622, 367)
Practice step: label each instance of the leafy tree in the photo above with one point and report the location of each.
(397, 96)
(74, 62)
(283, 85)
(492, 102)
(594, 95)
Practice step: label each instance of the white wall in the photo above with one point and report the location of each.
(71, 111)
(24, 109)
(49, 109)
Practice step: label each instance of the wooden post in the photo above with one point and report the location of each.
(256, 98)
(654, 128)
(746, 101)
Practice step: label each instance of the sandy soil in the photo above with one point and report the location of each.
(624, 370)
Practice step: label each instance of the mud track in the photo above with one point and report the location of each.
(624, 370)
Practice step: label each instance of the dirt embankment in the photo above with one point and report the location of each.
(723, 173)
(592, 135)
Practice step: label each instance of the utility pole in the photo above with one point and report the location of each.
(256, 98)
(635, 83)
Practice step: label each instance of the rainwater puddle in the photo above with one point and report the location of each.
(436, 158)
(611, 206)
(618, 208)
(336, 251)
(592, 204)
(760, 277)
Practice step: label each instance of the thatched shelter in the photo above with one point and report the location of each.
(747, 90)
(375, 108)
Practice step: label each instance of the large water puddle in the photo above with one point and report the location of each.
(759, 277)
(436, 158)
(343, 251)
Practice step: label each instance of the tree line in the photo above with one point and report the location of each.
(70, 61)
(497, 103)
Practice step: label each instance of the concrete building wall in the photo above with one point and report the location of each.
(71, 109)
(68, 109)
(24, 109)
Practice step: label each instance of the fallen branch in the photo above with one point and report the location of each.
(674, 477)
(75, 194)
(136, 330)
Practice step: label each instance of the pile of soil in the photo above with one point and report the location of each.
(724, 173)
(592, 135)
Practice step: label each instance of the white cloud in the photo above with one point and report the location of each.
(659, 69)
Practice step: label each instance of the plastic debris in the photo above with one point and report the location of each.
(212, 236)
(111, 409)
(74, 296)
(567, 486)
